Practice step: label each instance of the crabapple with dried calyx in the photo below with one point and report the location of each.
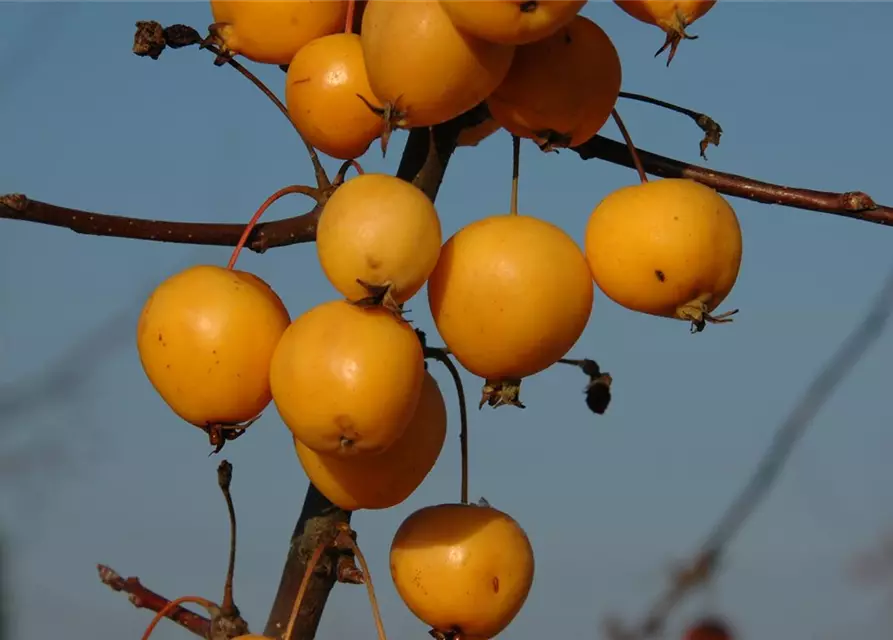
(272, 31)
(346, 380)
(205, 338)
(511, 21)
(510, 296)
(462, 568)
(669, 247)
(560, 90)
(322, 86)
(387, 479)
(671, 16)
(378, 238)
(424, 69)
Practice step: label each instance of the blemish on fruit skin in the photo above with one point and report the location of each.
(528, 7)
(660, 275)
(495, 584)
(372, 262)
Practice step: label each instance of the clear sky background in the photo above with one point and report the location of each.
(109, 475)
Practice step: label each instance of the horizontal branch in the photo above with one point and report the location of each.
(302, 228)
(143, 598)
(265, 235)
(852, 204)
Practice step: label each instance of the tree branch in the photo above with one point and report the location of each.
(266, 235)
(298, 229)
(143, 598)
(852, 204)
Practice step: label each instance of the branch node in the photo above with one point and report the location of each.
(15, 201)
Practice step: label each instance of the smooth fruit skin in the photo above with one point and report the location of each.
(272, 31)
(658, 246)
(321, 89)
(205, 338)
(418, 61)
(379, 229)
(462, 566)
(567, 84)
(510, 295)
(666, 13)
(511, 21)
(347, 380)
(389, 478)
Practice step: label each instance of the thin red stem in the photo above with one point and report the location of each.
(170, 606)
(351, 9)
(629, 144)
(295, 188)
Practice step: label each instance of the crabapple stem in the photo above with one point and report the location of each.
(295, 188)
(342, 171)
(322, 179)
(224, 479)
(348, 22)
(629, 144)
(442, 356)
(173, 604)
(710, 127)
(373, 601)
(299, 597)
(516, 163)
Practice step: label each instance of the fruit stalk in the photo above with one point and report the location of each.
(629, 145)
(249, 228)
(151, 39)
(516, 165)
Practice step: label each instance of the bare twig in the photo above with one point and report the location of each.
(710, 127)
(703, 565)
(224, 479)
(265, 235)
(851, 204)
(143, 598)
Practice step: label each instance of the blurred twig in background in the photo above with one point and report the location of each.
(702, 567)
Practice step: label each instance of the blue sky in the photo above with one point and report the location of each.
(802, 94)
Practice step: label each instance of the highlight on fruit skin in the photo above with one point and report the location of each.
(510, 296)
(378, 236)
(511, 21)
(424, 69)
(272, 31)
(561, 90)
(205, 338)
(346, 380)
(387, 479)
(462, 568)
(322, 86)
(669, 247)
(672, 16)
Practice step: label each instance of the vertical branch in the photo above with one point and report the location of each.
(424, 163)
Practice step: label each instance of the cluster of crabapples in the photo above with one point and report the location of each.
(509, 294)
(357, 70)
